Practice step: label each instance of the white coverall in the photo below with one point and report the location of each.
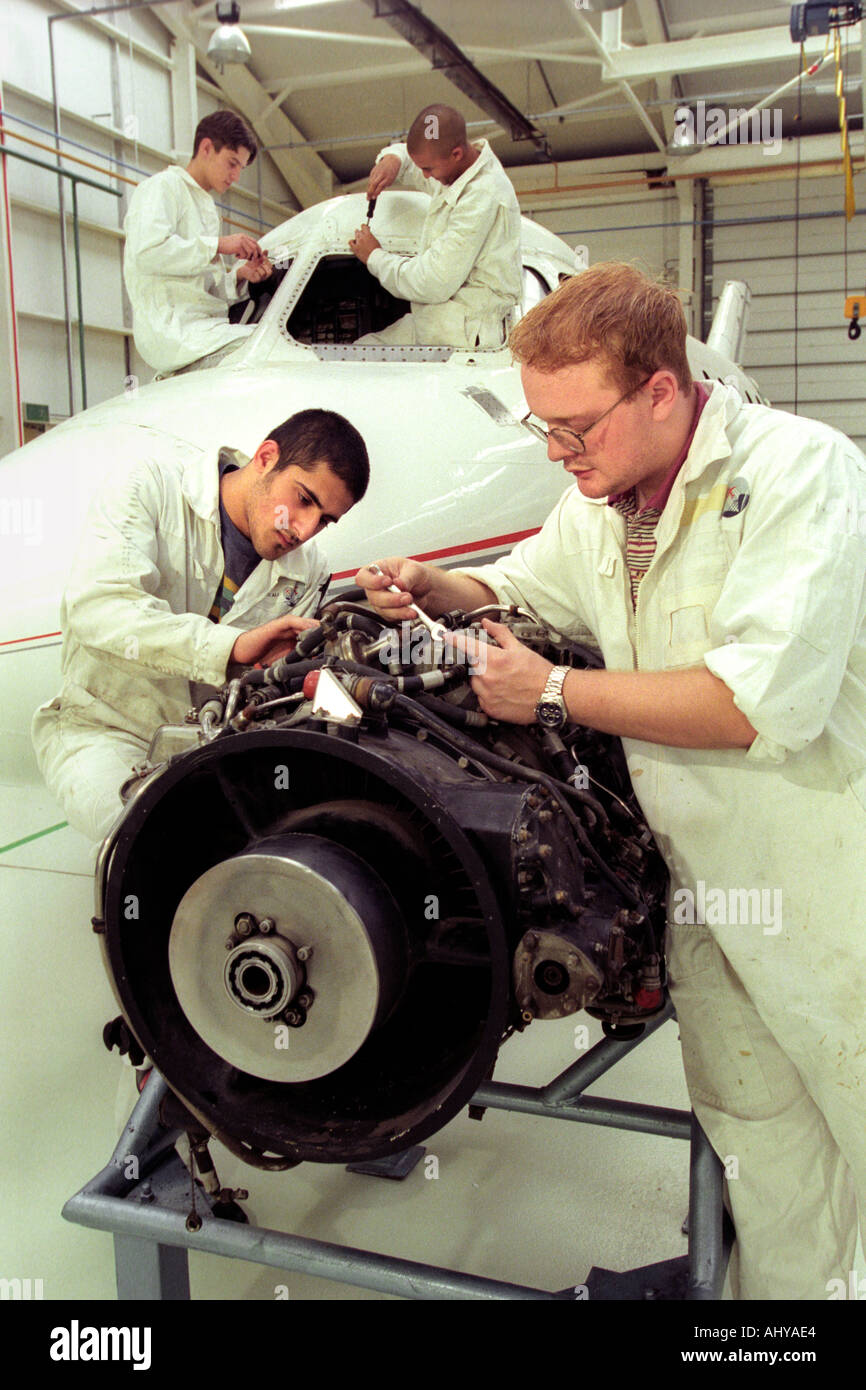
(135, 630)
(467, 275)
(769, 984)
(178, 285)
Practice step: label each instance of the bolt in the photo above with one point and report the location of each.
(231, 942)
(244, 923)
(266, 925)
(305, 999)
(304, 952)
(147, 1193)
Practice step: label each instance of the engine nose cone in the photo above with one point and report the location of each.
(242, 998)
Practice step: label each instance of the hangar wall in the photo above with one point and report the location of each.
(793, 259)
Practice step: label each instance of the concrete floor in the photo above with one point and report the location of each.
(517, 1198)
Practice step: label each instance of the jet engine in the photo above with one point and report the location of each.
(337, 890)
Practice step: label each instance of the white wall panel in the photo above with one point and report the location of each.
(24, 49)
(106, 366)
(145, 94)
(43, 364)
(42, 355)
(83, 70)
(142, 25)
(615, 229)
(36, 264)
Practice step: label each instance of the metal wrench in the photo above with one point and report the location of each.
(437, 631)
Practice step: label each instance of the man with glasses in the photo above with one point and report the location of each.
(715, 552)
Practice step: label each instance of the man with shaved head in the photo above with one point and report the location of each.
(466, 278)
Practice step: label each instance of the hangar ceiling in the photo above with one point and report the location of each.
(342, 81)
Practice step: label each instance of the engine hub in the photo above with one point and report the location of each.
(319, 896)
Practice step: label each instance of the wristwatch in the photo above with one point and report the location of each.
(551, 712)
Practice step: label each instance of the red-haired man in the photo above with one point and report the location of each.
(715, 551)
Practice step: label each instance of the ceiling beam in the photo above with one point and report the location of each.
(655, 29)
(607, 58)
(705, 54)
(651, 21)
(445, 56)
(491, 56)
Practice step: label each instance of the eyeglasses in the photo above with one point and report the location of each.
(573, 439)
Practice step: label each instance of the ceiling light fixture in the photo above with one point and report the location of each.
(228, 43)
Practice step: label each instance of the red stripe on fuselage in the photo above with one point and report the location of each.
(467, 547)
(12, 640)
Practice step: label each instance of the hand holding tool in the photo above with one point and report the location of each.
(437, 631)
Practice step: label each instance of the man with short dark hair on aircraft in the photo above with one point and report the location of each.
(466, 278)
(178, 285)
(715, 551)
(190, 568)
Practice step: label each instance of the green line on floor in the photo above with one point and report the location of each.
(39, 833)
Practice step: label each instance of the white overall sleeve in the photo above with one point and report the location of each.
(152, 238)
(793, 607)
(112, 601)
(434, 276)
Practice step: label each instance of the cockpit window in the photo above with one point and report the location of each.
(341, 302)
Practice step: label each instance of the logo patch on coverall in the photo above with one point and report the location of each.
(736, 497)
(292, 592)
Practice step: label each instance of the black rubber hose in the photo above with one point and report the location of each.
(454, 714)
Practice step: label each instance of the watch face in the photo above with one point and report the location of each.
(550, 714)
